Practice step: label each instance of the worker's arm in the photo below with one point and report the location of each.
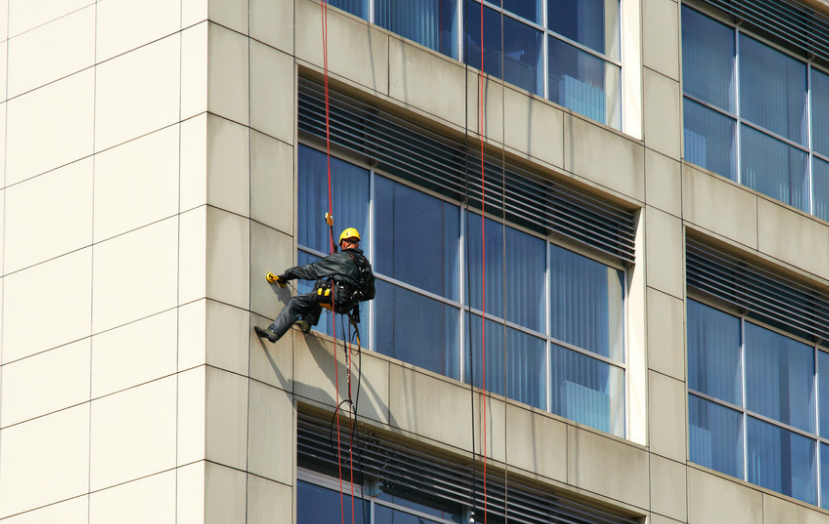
(330, 265)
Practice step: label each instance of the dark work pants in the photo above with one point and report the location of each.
(306, 307)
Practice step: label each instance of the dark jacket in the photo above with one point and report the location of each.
(342, 267)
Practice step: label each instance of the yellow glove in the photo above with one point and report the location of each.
(276, 279)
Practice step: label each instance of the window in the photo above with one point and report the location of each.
(554, 317)
(565, 50)
(755, 114)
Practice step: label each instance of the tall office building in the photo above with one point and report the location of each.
(619, 232)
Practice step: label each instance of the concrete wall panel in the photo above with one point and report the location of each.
(663, 107)
(793, 238)
(660, 36)
(272, 92)
(667, 417)
(152, 499)
(272, 23)
(124, 25)
(226, 418)
(270, 449)
(28, 14)
(227, 72)
(666, 334)
(663, 183)
(715, 500)
(268, 502)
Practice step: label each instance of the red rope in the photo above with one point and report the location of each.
(483, 253)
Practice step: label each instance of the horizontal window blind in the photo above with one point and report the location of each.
(450, 167)
(423, 475)
(782, 302)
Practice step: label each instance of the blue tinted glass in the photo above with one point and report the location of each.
(317, 505)
(586, 303)
(780, 378)
(582, 21)
(715, 436)
(774, 168)
(773, 90)
(588, 391)
(350, 191)
(524, 279)
(820, 188)
(494, 234)
(384, 515)
(355, 7)
(714, 353)
(529, 9)
(416, 238)
(824, 478)
(526, 376)
(417, 330)
(820, 112)
(708, 61)
(823, 395)
(445, 511)
(432, 23)
(584, 83)
(710, 139)
(781, 460)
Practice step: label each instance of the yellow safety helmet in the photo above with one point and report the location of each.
(349, 233)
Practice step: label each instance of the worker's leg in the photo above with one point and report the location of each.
(300, 307)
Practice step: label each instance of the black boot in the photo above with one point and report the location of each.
(265, 333)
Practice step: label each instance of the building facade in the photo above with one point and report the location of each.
(603, 268)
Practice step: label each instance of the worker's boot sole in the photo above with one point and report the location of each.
(265, 333)
(303, 326)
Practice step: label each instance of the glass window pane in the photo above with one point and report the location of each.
(588, 391)
(708, 61)
(823, 395)
(820, 111)
(592, 23)
(443, 510)
(350, 193)
(355, 7)
(529, 9)
(824, 477)
(710, 139)
(780, 377)
(524, 280)
(417, 330)
(774, 168)
(522, 48)
(820, 188)
(781, 460)
(716, 436)
(318, 505)
(417, 238)
(714, 353)
(586, 303)
(431, 23)
(773, 90)
(384, 515)
(584, 83)
(494, 264)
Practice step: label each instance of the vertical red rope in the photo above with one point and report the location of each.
(483, 254)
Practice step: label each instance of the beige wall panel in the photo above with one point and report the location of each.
(45, 383)
(192, 258)
(138, 93)
(45, 460)
(272, 88)
(780, 511)
(713, 203)
(228, 165)
(4, 19)
(73, 511)
(663, 182)
(134, 354)
(50, 127)
(136, 183)
(57, 291)
(152, 499)
(270, 446)
(272, 182)
(2, 245)
(793, 238)
(190, 503)
(664, 245)
(135, 275)
(124, 25)
(314, 376)
(659, 519)
(620, 165)
(230, 13)
(227, 337)
(426, 81)
(663, 106)
(496, 435)
(428, 406)
(27, 14)
(192, 416)
(596, 463)
(228, 73)
(193, 11)
(534, 127)
(133, 434)
(715, 500)
(226, 431)
(668, 419)
(193, 163)
(192, 335)
(3, 108)
(272, 22)
(51, 51)
(194, 64)
(493, 105)
(269, 502)
(48, 216)
(537, 443)
(228, 258)
(355, 51)
(668, 488)
(225, 495)
(666, 334)
(660, 40)
(272, 363)
(271, 251)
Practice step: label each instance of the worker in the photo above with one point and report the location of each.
(344, 279)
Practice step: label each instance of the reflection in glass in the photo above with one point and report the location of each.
(592, 23)
(431, 23)
(774, 168)
(316, 505)
(781, 460)
(715, 436)
(708, 63)
(710, 139)
(714, 353)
